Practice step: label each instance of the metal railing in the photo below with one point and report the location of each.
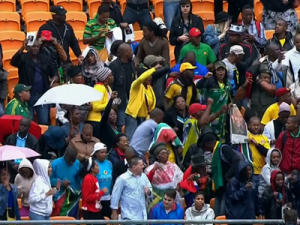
(143, 222)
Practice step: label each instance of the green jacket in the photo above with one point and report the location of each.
(16, 107)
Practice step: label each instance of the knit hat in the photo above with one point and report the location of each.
(282, 91)
(284, 107)
(97, 147)
(157, 148)
(236, 29)
(195, 108)
(197, 160)
(150, 60)
(102, 73)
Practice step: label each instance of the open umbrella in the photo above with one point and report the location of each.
(10, 152)
(9, 124)
(70, 94)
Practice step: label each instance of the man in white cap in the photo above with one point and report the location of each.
(274, 127)
(236, 54)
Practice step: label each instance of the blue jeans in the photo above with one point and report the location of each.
(170, 10)
(34, 216)
(142, 16)
(42, 111)
(131, 124)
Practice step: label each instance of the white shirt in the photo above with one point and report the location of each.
(292, 56)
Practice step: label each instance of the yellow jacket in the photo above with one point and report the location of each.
(137, 104)
(99, 106)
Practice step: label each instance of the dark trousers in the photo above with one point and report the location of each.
(106, 210)
(87, 215)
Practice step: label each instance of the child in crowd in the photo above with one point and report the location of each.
(199, 210)
(294, 187)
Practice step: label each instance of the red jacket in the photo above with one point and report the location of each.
(91, 194)
(189, 185)
(290, 150)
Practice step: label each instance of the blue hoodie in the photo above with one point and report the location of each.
(159, 213)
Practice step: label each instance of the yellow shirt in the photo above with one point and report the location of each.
(257, 158)
(282, 42)
(272, 111)
(144, 111)
(175, 90)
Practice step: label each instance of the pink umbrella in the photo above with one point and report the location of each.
(10, 152)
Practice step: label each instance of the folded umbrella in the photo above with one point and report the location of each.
(10, 152)
(70, 94)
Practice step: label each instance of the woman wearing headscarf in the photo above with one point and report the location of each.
(9, 209)
(104, 79)
(23, 182)
(91, 64)
(41, 193)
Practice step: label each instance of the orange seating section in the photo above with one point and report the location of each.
(11, 39)
(70, 5)
(9, 20)
(34, 5)
(34, 20)
(93, 7)
(77, 20)
(8, 5)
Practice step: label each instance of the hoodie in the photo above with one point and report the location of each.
(240, 202)
(40, 203)
(269, 167)
(206, 213)
(23, 184)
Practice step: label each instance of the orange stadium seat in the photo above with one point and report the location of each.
(7, 56)
(11, 39)
(77, 20)
(8, 5)
(258, 10)
(12, 81)
(79, 36)
(123, 5)
(225, 6)
(9, 20)
(33, 6)
(34, 20)
(12, 71)
(138, 35)
(70, 5)
(44, 128)
(206, 5)
(93, 7)
(269, 34)
(61, 218)
(207, 17)
(159, 8)
(172, 56)
(221, 218)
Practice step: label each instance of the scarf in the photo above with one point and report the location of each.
(120, 153)
(184, 84)
(217, 175)
(89, 70)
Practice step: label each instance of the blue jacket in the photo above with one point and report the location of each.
(4, 200)
(240, 202)
(199, 71)
(159, 212)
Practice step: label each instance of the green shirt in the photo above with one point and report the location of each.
(15, 107)
(93, 28)
(204, 54)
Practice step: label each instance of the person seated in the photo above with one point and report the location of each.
(84, 143)
(204, 54)
(255, 29)
(199, 210)
(168, 209)
(19, 104)
(23, 182)
(75, 124)
(23, 138)
(282, 37)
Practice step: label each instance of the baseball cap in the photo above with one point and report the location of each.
(97, 147)
(58, 10)
(47, 34)
(284, 107)
(237, 50)
(150, 60)
(21, 87)
(186, 66)
(194, 32)
(236, 29)
(282, 91)
(220, 64)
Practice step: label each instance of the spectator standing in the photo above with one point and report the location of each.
(282, 37)
(153, 43)
(170, 11)
(137, 11)
(124, 73)
(273, 11)
(168, 209)
(91, 192)
(288, 143)
(104, 176)
(23, 138)
(19, 104)
(35, 71)
(273, 128)
(75, 124)
(115, 12)
(204, 54)
(23, 182)
(3, 84)
(131, 190)
(98, 29)
(199, 210)
(255, 29)
(41, 193)
(182, 23)
(8, 199)
(62, 31)
(84, 142)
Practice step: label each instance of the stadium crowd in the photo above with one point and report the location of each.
(158, 145)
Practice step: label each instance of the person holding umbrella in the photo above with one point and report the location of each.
(9, 209)
(19, 104)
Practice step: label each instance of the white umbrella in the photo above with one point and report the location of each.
(70, 94)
